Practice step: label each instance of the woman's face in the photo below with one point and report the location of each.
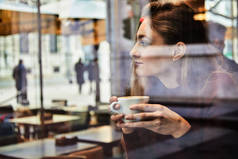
(149, 54)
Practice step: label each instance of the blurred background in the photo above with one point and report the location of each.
(85, 47)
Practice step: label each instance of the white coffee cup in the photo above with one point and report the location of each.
(126, 102)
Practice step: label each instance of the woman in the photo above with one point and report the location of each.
(172, 27)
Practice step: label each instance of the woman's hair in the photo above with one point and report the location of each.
(175, 23)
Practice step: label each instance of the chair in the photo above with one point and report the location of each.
(65, 157)
(10, 139)
(82, 123)
(19, 113)
(5, 109)
(23, 112)
(7, 157)
(92, 153)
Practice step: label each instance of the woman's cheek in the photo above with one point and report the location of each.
(147, 69)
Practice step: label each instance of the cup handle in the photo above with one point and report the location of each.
(112, 107)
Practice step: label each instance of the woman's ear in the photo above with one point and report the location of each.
(179, 51)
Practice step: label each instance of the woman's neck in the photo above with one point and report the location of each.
(169, 79)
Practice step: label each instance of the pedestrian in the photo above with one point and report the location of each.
(20, 77)
(79, 69)
(92, 73)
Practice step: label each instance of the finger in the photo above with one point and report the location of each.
(113, 99)
(117, 106)
(140, 124)
(117, 117)
(142, 116)
(147, 107)
(127, 130)
(119, 124)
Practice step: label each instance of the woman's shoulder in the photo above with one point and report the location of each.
(222, 76)
(220, 83)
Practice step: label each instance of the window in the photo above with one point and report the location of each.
(53, 43)
(24, 43)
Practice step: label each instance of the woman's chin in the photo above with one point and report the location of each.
(143, 73)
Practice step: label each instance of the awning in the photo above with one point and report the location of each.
(19, 18)
(89, 9)
(17, 7)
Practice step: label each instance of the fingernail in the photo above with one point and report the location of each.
(125, 124)
(128, 116)
(132, 106)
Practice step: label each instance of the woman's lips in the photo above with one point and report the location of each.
(138, 63)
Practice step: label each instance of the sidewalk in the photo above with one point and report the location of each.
(53, 89)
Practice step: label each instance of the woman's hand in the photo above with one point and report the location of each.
(157, 118)
(117, 118)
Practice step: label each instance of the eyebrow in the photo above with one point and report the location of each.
(140, 36)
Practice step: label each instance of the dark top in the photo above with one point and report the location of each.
(79, 69)
(19, 74)
(206, 128)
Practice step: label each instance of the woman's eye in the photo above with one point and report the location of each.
(144, 43)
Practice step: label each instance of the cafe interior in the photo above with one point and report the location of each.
(76, 55)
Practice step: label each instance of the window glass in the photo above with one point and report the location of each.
(24, 43)
(121, 79)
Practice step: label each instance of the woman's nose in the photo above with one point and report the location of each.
(134, 53)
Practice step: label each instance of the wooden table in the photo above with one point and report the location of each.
(41, 148)
(34, 122)
(75, 109)
(105, 136)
